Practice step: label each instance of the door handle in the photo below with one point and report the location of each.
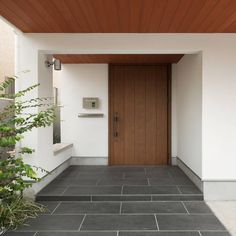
(115, 120)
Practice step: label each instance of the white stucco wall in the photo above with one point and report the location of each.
(41, 140)
(188, 86)
(88, 135)
(7, 50)
(218, 79)
(174, 128)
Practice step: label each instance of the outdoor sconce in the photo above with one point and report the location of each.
(56, 64)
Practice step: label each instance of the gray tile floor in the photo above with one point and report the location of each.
(102, 183)
(123, 201)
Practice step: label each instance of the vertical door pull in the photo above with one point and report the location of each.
(115, 119)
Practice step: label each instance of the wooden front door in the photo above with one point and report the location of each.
(138, 115)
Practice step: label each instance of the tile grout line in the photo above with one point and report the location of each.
(178, 189)
(185, 207)
(64, 190)
(120, 207)
(82, 222)
(156, 222)
(130, 214)
(56, 208)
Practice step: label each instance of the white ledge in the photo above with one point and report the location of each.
(7, 99)
(60, 147)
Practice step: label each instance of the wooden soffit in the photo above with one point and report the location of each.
(119, 58)
(121, 16)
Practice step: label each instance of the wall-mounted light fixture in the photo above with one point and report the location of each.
(56, 64)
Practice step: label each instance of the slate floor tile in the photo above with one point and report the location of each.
(68, 174)
(157, 175)
(89, 168)
(156, 168)
(162, 169)
(51, 190)
(91, 175)
(153, 207)
(176, 172)
(158, 171)
(135, 233)
(125, 169)
(138, 175)
(88, 208)
(180, 197)
(122, 198)
(120, 182)
(160, 174)
(198, 207)
(63, 198)
(19, 233)
(189, 222)
(150, 190)
(189, 190)
(73, 182)
(170, 181)
(119, 222)
(50, 205)
(76, 234)
(215, 233)
(92, 190)
(53, 222)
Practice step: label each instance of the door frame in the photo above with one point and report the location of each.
(169, 105)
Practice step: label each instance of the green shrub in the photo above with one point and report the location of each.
(16, 210)
(16, 119)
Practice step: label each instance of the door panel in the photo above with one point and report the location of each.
(129, 149)
(139, 114)
(151, 117)
(138, 109)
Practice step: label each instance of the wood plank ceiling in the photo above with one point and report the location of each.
(119, 58)
(121, 16)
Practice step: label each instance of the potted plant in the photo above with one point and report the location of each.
(16, 119)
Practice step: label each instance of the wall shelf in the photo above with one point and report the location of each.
(90, 115)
